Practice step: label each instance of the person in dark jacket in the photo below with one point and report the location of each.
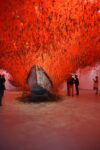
(2, 88)
(76, 81)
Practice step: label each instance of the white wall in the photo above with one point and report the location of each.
(86, 77)
(8, 85)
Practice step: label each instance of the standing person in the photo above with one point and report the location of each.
(2, 88)
(96, 84)
(76, 81)
(70, 88)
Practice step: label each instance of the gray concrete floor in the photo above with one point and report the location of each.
(72, 123)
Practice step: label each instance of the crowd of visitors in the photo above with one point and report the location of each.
(73, 83)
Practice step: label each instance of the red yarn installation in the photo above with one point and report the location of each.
(60, 36)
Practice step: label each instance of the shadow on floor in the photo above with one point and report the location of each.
(28, 98)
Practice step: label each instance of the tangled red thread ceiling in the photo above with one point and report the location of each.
(59, 35)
